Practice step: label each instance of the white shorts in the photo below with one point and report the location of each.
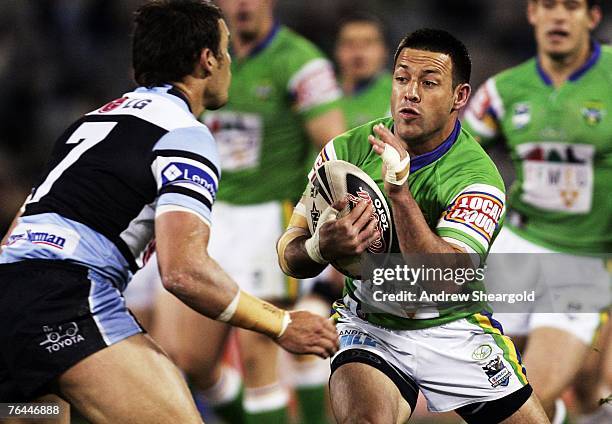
(455, 364)
(243, 241)
(571, 291)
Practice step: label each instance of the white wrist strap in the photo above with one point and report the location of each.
(230, 310)
(397, 169)
(312, 244)
(286, 322)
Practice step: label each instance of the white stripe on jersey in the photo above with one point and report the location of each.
(497, 104)
(314, 84)
(153, 108)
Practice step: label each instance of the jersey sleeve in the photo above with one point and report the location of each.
(187, 171)
(472, 217)
(484, 112)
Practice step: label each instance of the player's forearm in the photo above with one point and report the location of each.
(412, 230)
(295, 261)
(207, 289)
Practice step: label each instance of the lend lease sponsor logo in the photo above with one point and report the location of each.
(178, 172)
(477, 210)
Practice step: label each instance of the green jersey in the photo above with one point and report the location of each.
(368, 102)
(262, 143)
(560, 141)
(459, 191)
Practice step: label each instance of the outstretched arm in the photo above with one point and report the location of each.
(188, 272)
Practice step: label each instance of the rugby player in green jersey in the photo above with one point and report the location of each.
(283, 100)
(555, 114)
(458, 358)
(361, 54)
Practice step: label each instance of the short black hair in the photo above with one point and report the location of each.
(440, 41)
(365, 17)
(169, 36)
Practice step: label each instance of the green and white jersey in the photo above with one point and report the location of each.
(263, 146)
(560, 141)
(369, 101)
(459, 191)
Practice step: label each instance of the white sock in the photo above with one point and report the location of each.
(310, 373)
(265, 398)
(601, 415)
(225, 390)
(560, 412)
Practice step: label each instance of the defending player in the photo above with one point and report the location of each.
(140, 163)
(283, 99)
(361, 54)
(553, 112)
(386, 359)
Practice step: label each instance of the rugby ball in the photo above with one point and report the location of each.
(337, 179)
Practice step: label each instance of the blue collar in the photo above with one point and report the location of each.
(266, 41)
(596, 53)
(425, 159)
(170, 92)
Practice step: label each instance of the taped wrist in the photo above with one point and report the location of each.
(251, 313)
(397, 169)
(312, 244)
(284, 241)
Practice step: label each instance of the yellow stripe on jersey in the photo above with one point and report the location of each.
(604, 317)
(503, 342)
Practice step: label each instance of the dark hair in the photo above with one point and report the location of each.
(169, 36)
(363, 17)
(436, 40)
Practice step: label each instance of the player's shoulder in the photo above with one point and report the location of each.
(468, 161)
(299, 44)
(155, 107)
(524, 73)
(606, 58)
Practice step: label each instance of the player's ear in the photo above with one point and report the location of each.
(595, 15)
(461, 96)
(531, 6)
(207, 62)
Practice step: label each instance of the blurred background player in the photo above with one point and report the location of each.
(361, 55)
(555, 114)
(283, 100)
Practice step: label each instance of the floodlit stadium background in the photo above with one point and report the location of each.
(62, 58)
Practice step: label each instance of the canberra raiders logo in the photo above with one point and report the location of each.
(593, 112)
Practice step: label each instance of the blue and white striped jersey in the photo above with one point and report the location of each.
(110, 173)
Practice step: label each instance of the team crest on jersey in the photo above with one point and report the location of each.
(497, 372)
(477, 210)
(593, 112)
(521, 116)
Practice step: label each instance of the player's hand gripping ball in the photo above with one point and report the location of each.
(335, 180)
